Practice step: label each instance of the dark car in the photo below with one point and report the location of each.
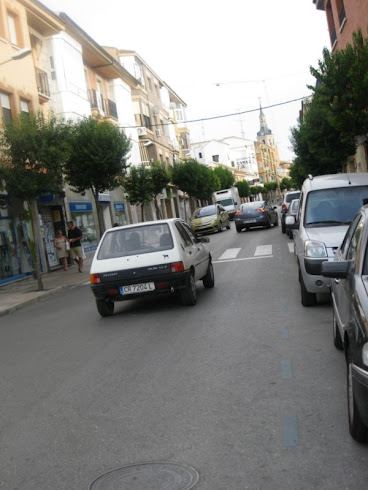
(349, 286)
(256, 213)
(289, 196)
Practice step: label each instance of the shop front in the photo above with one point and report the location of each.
(82, 215)
(120, 216)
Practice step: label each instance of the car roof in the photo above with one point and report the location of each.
(144, 223)
(335, 180)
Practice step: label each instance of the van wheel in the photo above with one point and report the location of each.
(105, 308)
(308, 299)
(188, 295)
(209, 278)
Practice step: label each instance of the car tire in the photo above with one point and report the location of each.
(276, 223)
(357, 429)
(188, 295)
(209, 278)
(283, 226)
(268, 224)
(105, 308)
(308, 299)
(238, 229)
(336, 333)
(228, 226)
(219, 229)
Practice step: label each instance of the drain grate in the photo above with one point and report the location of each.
(148, 476)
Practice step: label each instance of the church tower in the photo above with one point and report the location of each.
(264, 135)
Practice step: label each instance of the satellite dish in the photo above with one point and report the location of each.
(155, 110)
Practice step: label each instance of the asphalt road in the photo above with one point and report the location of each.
(246, 387)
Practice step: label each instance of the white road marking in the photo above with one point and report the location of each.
(230, 253)
(263, 250)
(245, 258)
(291, 247)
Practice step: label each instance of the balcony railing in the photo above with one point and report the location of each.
(96, 100)
(42, 82)
(112, 109)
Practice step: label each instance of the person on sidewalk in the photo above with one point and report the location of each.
(61, 251)
(75, 236)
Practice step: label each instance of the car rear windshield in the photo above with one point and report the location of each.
(333, 207)
(292, 196)
(253, 205)
(207, 211)
(136, 240)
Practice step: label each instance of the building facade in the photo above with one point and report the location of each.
(267, 155)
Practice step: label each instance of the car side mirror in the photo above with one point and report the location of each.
(338, 270)
(291, 224)
(204, 239)
(235, 203)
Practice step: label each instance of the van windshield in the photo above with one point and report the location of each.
(334, 207)
(226, 202)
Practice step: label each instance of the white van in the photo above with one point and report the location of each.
(327, 205)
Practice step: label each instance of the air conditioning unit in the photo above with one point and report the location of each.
(158, 132)
(142, 131)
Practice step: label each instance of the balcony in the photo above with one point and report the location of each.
(112, 110)
(42, 83)
(97, 102)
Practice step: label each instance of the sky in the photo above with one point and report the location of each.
(220, 57)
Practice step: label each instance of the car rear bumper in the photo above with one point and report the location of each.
(164, 283)
(241, 223)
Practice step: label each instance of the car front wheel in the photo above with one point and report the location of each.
(209, 278)
(105, 308)
(358, 430)
(189, 294)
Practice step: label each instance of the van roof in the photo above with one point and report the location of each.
(335, 180)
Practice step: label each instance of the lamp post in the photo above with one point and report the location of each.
(22, 53)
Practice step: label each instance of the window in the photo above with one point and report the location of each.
(355, 241)
(184, 235)
(24, 107)
(341, 11)
(215, 158)
(200, 154)
(12, 29)
(5, 106)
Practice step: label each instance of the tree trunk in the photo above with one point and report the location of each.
(101, 224)
(142, 210)
(158, 213)
(32, 204)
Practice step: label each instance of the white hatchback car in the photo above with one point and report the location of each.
(149, 258)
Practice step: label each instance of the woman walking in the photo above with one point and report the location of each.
(60, 245)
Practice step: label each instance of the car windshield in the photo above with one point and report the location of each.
(135, 240)
(207, 211)
(226, 202)
(331, 207)
(253, 205)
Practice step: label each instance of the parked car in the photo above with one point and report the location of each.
(210, 218)
(256, 213)
(327, 205)
(288, 197)
(149, 258)
(292, 211)
(349, 274)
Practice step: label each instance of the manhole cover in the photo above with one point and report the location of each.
(148, 476)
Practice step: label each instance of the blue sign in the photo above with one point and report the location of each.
(119, 206)
(80, 207)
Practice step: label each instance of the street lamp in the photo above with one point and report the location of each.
(22, 53)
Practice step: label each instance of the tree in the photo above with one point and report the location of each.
(160, 177)
(138, 185)
(33, 150)
(225, 177)
(286, 184)
(255, 190)
(269, 187)
(97, 160)
(243, 188)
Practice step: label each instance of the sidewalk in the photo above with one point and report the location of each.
(15, 295)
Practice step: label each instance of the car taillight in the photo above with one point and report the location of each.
(237, 212)
(284, 207)
(177, 267)
(95, 278)
(260, 209)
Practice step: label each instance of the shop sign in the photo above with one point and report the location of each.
(119, 206)
(80, 207)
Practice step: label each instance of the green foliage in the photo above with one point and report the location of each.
(270, 186)
(33, 150)
(138, 185)
(225, 177)
(286, 184)
(160, 177)
(243, 188)
(98, 157)
(255, 190)
(195, 179)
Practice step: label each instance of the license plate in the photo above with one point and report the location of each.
(250, 221)
(144, 287)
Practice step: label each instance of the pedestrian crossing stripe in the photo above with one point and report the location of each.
(230, 253)
(262, 251)
(291, 247)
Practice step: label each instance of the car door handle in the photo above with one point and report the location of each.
(190, 252)
(337, 281)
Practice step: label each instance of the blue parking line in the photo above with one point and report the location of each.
(283, 309)
(284, 333)
(286, 369)
(290, 434)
